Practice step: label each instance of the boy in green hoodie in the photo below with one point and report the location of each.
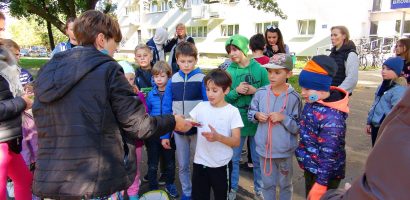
(247, 76)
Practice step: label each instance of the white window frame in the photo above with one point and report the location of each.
(190, 30)
(308, 23)
(261, 27)
(225, 29)
(160, 6)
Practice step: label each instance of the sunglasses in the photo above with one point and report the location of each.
(271, 27)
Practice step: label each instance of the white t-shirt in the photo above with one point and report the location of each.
(223, 119)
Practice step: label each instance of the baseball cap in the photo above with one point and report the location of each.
(280, 61)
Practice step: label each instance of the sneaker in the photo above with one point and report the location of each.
(232, 195)
(185, 197)
(259, 195)
(133, 197)
(172, 191)
(162, 179)
(145, 178)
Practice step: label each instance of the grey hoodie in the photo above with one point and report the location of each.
(284, 134)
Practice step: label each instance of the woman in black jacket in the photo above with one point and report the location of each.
(13, 102)
(88, 117)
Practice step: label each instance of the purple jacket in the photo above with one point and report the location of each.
(321, 148)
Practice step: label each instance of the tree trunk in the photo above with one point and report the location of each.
(50, 35)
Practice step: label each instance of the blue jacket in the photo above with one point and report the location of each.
(157, 106)
(321, 148)
(155, 54)
(63, 46)
(382, 105)
(185, 91)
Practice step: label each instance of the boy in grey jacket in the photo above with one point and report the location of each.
(388, 94)
(276, 108)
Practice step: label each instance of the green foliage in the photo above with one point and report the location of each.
(29, 32)
(268, 6)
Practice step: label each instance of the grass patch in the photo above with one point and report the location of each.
(294, 81)
(32, 63)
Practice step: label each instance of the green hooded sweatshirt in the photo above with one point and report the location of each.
(256, 76)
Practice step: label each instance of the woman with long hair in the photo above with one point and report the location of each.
(402, 49)
(344, 53)
(274, 42)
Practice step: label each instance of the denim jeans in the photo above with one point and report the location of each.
(185, 144)
(282, 172)
(154, 150)
(257, 179)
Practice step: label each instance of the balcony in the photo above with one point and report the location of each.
(207, 11)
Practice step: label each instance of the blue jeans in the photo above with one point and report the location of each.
(257, 178)
(282, 172)
(154, 150)
(185, 144)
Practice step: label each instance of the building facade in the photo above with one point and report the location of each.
(306, 29)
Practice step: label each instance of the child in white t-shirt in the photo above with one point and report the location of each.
(218, 132)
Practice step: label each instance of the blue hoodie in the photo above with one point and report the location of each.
(185, 91)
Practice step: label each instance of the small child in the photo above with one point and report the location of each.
(321, 152)
(133, 190)
(219, 132)
(257, 44)
(156, 106)
(143, 75)
(185, 90)
(387, 95)
(247, 75)
(276, 109)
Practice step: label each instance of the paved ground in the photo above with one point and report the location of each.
(358, 144)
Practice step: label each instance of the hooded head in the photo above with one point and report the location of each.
(395, 64)
(161, 36)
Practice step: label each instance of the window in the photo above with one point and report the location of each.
(159, 6)
(376, 5)
(306, 27)
(261, 27)
(196, 2)
(130, 9)
(406, 28)
(373, 28)
(229, 30)
(197, 31)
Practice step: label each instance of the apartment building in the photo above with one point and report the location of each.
(306, 29)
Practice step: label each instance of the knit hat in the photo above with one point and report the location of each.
(318, 73)
(241, 42)
(280, 61)
(127, 67)
(395, 64)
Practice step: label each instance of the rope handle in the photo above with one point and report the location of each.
(268, 144)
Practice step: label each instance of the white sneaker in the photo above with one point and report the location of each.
(232, 195)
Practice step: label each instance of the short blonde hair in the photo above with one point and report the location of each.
(142, 46)
(161, 67)
(10, 44)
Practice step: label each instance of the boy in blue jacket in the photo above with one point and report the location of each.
(321, 152)
(388, 94)
(160, 146)
(184, 91)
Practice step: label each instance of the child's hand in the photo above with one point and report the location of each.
(251, 90)
(276, 117)
(166, 143)
(27, 99)
(135, 88)
(242, 88)
(368, 129)
(212, 136)
(261, 117)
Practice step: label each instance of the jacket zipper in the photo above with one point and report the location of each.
(183, 95)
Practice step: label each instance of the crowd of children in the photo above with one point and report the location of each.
(248, 100)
